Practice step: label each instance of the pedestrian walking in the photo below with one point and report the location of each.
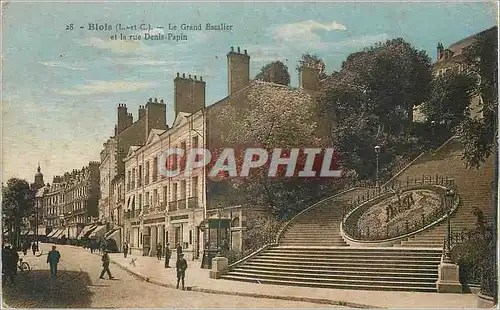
(125, 249)
(181, 267)
(158, 251)
(105, 266)
(34, 248)
(53, 259)
(168, 253)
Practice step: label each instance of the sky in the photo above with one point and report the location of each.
(61, 87)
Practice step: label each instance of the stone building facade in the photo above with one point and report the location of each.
(161, 209)
(127, 133)
(70, 202)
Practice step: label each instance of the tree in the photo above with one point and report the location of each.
(479, 135)
(313, 61)
(275, 72)
(18, 203)
(371, 102)
(449, 99)
(266, 122)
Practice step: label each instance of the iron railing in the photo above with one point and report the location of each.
(350, 223)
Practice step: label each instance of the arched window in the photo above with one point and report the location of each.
(235, 222)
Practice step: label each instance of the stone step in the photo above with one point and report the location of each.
(390, 272)
(332, 277)
(356, 250)
(317, 257)
(401, 286)
(349, 262)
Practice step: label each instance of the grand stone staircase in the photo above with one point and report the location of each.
(319, 226)
(474, 187)
(312, 253)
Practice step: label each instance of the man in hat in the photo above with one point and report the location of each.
(168, 253)
(181, 267)
(53, 259)
(105, 266)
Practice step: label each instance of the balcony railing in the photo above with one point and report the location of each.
(186, 203)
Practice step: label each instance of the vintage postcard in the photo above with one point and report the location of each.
(249, 154)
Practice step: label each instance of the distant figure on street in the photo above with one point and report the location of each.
(105, 266)
(25, 247)
(125, 249)
(168, 253)
(158, 251)
(34, 248)
(53, 259)
(179, 249)
(181, 267)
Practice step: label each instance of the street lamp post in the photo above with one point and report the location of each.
(377, 152)
(448, 200)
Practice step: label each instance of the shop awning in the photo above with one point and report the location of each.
(52, 233)
(86, 231)
(59, 233)
(114, 235)
(98, 232)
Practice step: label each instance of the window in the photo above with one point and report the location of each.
(183, 189)
(139, 180)
(155, 169)
(184, 156)
(194, 142)
(190, 237)
(140, 201)
(174, 192)
(147, 199)
(155, 197)
(133, 178)
(194, 187)
(165, 194)
(146, 174)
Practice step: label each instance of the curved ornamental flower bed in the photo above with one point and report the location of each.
(396, 214)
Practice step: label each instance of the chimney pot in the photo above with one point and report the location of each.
(183, 75)
(238, 49)
(201, 78)
(150, 100)
(156, 100)
(195, 77)
(246, 52)
(161, 101)
(177, 74)
(232, 49)
(190, 76)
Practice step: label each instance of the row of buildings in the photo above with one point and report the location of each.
(124, 197)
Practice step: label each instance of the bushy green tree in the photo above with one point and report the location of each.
(275, 72)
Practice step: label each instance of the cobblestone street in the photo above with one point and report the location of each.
(78, 285)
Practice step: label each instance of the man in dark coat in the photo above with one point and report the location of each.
(125, 249)
(158, 251)
(53, 259)
(34, 248)
(105, 265)
(168, 253)
(181, 267)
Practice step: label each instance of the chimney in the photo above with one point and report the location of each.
(309, 78)
(189, 94)
(142, 111)
(440, 51)
(130, 119)
(238, 69)
(155, 116)
(122, 122)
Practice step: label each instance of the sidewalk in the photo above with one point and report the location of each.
(197, 279)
